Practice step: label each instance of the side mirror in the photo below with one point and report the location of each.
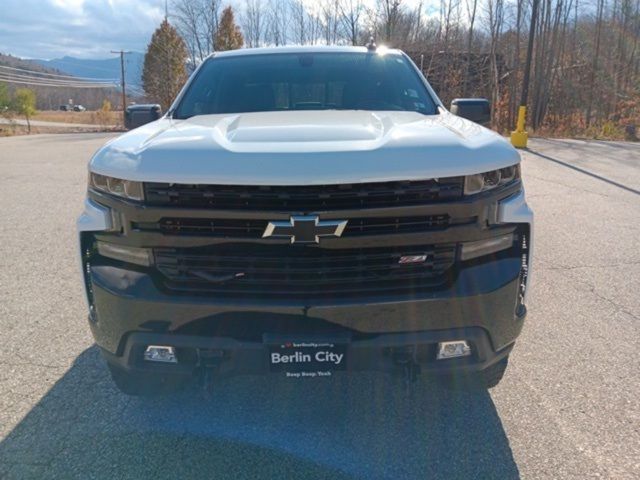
(138, 115)
(475, 109)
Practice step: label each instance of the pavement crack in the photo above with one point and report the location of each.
(616, 305)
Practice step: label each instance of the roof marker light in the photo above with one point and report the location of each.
(371, 45)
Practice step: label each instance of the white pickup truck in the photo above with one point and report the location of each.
(302, 212)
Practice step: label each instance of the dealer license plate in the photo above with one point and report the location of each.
(307, 358)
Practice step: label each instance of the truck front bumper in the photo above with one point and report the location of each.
(484, 306)
(131, 314)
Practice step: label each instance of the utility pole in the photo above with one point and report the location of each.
(122, 53)
(520, 136)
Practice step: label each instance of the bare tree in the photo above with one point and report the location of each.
(299, 22)
(197, 23)
(450, 13)
(211, 20)
(495, 18)
(253, 24)
(277, 22)
(416, 23)
(514, 75)
(330, 20)
(315, 28)
(472, 7)
(389, 12)
(351, 15)
(596, 57)
(186, 16)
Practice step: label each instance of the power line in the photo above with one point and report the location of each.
(44, 84)
(14, 76)
(54, 82)
(22, 82)
(35, 72)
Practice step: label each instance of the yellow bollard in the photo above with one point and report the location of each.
(519, 136)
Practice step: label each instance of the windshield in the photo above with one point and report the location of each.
(306, 81)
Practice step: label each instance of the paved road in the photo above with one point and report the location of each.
(569, 406)
(42, 123)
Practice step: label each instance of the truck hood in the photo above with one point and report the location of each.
(301, 148)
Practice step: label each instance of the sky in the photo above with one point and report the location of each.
(47, 29)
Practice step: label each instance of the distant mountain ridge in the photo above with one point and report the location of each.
(16, 62)
(108, 68)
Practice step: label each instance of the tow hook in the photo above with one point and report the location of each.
(411, 372)
(209, 360)
(405, 359)
(207, 380)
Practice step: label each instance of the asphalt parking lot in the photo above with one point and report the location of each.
(569, 406)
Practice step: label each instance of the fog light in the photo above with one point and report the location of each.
(459, 348)
(157, 353)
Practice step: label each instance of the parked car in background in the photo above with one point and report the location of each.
(79, 108)
(65, 108)
(138, 115)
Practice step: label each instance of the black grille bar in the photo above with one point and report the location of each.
(290, 271)
(308, 198)
(238, 228)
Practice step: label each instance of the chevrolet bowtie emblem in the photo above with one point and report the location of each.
(305, 229)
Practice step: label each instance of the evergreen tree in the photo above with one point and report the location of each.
(164, 70)
(228, 36)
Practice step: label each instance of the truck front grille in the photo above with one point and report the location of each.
(286, 271)
(255, 228)
(307, 198)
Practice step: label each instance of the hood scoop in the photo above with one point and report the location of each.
(308, 126)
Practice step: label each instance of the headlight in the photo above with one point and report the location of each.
(489, 180)
(116, 186)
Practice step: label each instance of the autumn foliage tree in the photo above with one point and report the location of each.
(228, 36)
(24, 103)
(164, 70)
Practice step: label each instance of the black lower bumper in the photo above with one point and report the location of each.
(389, 353)
(380, 334)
